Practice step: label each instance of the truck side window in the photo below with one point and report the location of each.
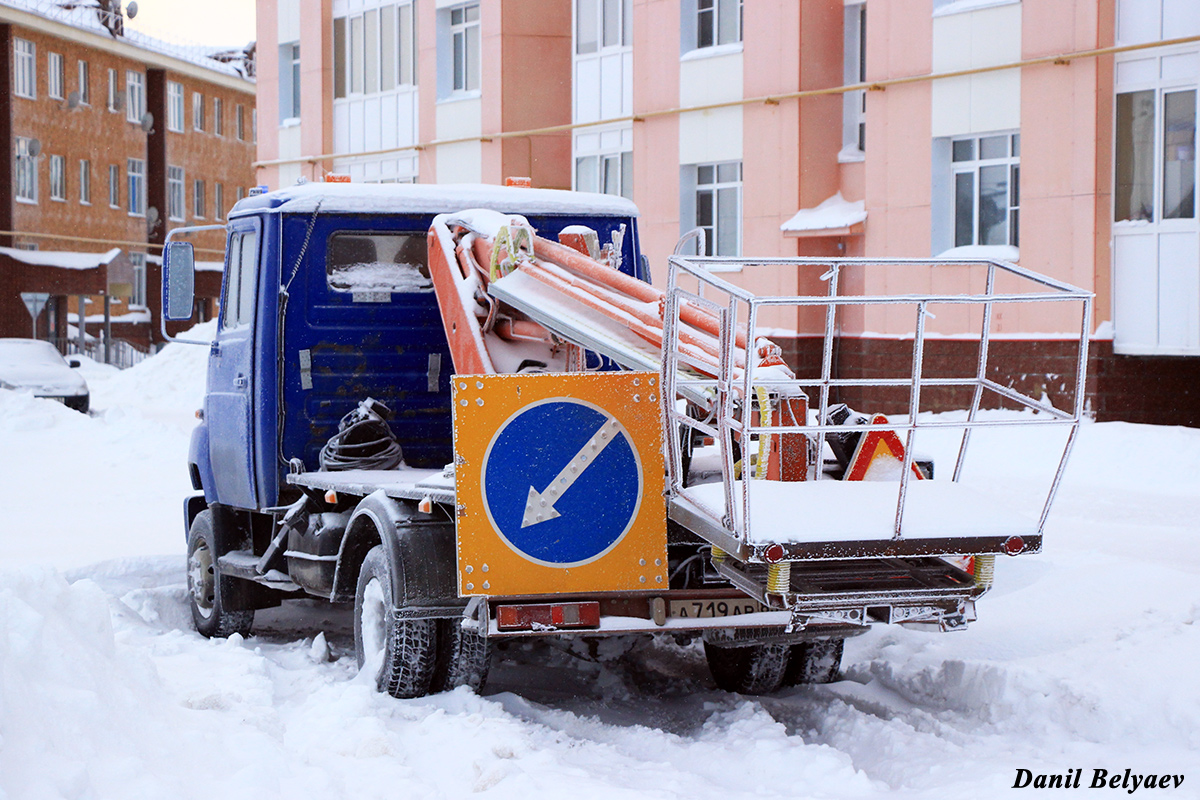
(377, 262)
(247, 275)
(229, 303)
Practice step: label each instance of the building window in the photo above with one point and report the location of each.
(611, 173)
(27, 178)
(1141, 162)
(85, 84)
(987, 171)
(175, 106)
(114, 186)
(602, 23)
(218, 201)
(58, 178)
(854, 104)
(197, 111)
(85, 182)
(198, 199)
(240, 195)
(240, 118)
(136, 169)
(175, 193)
(374, 51)
(718, 22)
(54, 76)
(289, 81)
(24, 68)
(254, 125)
(114, 91)
(137, 296)
(135, 96)
(464, 35)
(719, 207)
(218, 117)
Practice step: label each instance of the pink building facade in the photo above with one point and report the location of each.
(975, 123)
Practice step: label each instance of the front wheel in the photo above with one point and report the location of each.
(208, 589)
(402, 652)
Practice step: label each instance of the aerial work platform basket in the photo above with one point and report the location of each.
(723, 484)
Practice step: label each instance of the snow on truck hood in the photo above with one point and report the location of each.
(435, 199)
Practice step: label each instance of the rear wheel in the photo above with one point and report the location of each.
(402, 652)
(753, 669)
(817, 661)
(208, 589)
(463, 657)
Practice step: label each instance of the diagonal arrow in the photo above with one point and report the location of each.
(539, 506)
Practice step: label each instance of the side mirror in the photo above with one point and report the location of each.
(179, 281)
(74, 363)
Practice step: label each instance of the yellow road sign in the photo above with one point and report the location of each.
(559, 483)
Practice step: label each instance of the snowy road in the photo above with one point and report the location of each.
(1083, 657)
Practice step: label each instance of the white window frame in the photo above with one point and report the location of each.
(115, 97)
(26, 181)
(24, 68)
(610, 21)
(114, 186)
(974, 166)
(58, 178)
(465, 48)
(394, 47)
(85, 182)
(218, 117)
(718, 187)
(83, 73)
(175, 110)
(198, 199)
(218, 201)
(135, 96)
(56, 77)
(240, 122)
(135, 170)
(289, 81)
(854, 70)
(176, 205)
(137, 295)
(197, 111)
(721, 16)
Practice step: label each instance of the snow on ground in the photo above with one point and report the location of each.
(1083, 656)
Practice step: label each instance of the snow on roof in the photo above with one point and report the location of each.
(833, 214)
(86, 18)
(61, 258)
(998, 252)
(402, 198)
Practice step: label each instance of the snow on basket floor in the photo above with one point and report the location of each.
(1083, 657)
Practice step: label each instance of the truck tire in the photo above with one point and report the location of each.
(463, 657)
(403, 651)
(817, 661)
(753, 669)
(208, 589)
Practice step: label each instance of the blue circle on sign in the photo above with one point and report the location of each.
(562, 482)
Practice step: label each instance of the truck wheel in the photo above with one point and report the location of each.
(402, 651)
(817, 661)
(754, 669)
(208, 589)
(463, 657)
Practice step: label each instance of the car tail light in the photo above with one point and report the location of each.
(548, 616)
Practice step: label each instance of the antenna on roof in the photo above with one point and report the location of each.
(131, 9)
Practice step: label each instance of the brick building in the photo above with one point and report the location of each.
(114, 140)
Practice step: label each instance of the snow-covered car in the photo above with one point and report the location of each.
(36, 365)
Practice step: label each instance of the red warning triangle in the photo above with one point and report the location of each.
(879, 455)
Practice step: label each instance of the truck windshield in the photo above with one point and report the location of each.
(377, 262)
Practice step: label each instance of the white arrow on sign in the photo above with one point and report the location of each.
(539, 507)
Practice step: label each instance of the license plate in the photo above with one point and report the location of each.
(697, 609)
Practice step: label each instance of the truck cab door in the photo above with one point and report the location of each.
(231, 381)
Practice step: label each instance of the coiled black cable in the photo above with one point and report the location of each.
(363, 441)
